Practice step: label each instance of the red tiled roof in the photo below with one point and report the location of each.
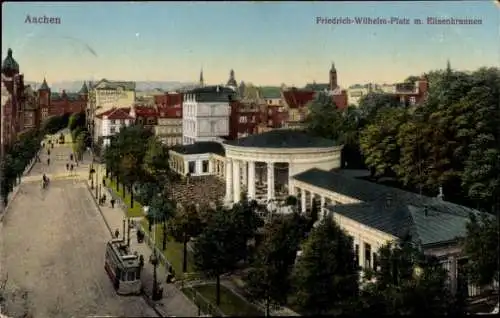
(169, 99)
(169, 112)
(145, 111)
(116, 113)
(298, 99)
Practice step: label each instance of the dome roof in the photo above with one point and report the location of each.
(9, 64)
(283, 138)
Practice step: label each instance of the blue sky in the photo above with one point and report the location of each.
(265, 43)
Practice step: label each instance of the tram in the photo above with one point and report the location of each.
(123, 268)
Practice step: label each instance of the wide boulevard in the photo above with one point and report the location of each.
(53, 244)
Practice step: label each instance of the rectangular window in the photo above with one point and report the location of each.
(413, 100)
(205, 166)
(113, 121)
(130, 276)
(356, 253)
(192, 167)
(112, 130)
(368, 255)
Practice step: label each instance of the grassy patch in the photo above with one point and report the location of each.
(174, 252)
(136, 211)
(230, 304)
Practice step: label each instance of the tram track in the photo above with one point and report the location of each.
(54, 247)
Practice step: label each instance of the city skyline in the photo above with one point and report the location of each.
(265, 43)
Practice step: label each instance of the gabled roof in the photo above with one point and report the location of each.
(318, 87)
(270, 92)
(84, 89)
(444, 221)
(295, 98)
(144, 111)
(200, 148)
(116, 113)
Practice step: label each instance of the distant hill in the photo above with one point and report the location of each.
(74, 86)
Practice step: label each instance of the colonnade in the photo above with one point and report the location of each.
(239, 172)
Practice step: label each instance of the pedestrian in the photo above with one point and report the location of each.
(48, 152)
(117, 233)
(67, 167)
(48, 161)
(141, 262)
(103, 198)
(71, 167)
(71, 157)
(112, 203)
(104, 181)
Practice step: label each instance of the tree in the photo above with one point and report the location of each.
(371, 104)
(161, 210)
(326, 273)
(244, 217)
(146, 192)
(378, 141)
(80, 143)
(482, 248)
(183, 226)
(76, 120)
(408, 283)
(323, 119)
(217, 249)
(269, 277)
(156, 157)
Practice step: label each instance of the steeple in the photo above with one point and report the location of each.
(232, 81)
(84, 90)
(333, 77)
(44, 86)
(202, 82)
(333, 69)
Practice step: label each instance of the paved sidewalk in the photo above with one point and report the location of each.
(174, 302)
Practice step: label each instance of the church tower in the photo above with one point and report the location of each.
(333, 77)
(232, 81)
(44, 94)
(202, 81)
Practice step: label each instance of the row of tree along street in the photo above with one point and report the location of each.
(25, 149)
(79, 134)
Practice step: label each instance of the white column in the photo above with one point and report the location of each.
(211, 166)
(244, 169)
(236, 181)
(229, 181)
(270, 180)
(303, 200)
(362, 253)
(251, 180)
(186, 167)
(322, 208)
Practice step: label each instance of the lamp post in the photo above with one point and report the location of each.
(124, 222)
(128, 232)
(96, 185)
(91, 177)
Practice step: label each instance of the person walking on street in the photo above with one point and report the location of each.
(70, 157)
(112, 203)
(67, 167)
(48, 152)
(117, 233)
(48, 161)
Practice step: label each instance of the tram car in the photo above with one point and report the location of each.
(122, 268)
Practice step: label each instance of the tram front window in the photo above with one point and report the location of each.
(130, 276)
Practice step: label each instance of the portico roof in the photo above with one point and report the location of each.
(200, 148)
(282, 138)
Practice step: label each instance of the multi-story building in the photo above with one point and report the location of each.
(206, 113)
(297, 110)
(13, 102)
(109, 123)
(245, 118)
(169, 112)
(54, 104)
